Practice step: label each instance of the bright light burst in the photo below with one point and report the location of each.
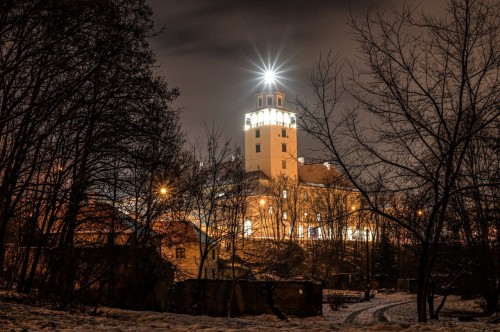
(274, 70)
(269, 77)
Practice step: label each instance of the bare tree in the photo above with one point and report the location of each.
(211, 176)
(428, 86)
(79, 101)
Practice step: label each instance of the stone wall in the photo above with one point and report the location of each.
(212, 297)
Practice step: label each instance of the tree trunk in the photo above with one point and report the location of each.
(422, 284)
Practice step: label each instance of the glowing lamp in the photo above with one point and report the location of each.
(269, 77)
(163, 190)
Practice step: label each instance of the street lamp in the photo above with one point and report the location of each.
(163, 191)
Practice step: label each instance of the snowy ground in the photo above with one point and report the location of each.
(392, 312)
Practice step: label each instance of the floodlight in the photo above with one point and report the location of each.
(269, 77)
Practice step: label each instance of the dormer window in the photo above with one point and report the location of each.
(260, 102)
(269, 100)
(280, 102)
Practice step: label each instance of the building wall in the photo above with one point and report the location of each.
(302, 213)
(270, 158)
(188, 265)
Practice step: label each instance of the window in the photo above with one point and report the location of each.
(283, 147)
(279, 101)
(283, 132)
(313, 232)
(257, 148)
(292, 231)
(318, 217)
(301, 231)
(284, 193)
(180, 253)
(270, 210)
(257, 133)
(260, 101)
(213, 254)
(269, 100)
(285, 216)
(247, 228)
(283, 164)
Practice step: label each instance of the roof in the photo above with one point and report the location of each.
(321, 174)
(182, 231)
(256, 175)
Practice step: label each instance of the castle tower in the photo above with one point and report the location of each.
(271, 137)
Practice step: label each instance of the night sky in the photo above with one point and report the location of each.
(212, 50)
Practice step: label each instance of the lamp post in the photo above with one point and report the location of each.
(368, 283)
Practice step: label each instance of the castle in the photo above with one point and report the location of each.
(295, 200)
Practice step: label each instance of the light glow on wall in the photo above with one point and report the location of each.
(270, 116)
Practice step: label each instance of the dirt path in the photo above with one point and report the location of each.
(373, 312)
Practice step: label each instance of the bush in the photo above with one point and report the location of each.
(336, 301)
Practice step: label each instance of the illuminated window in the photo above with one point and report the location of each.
(180, 253)
(283, 147)
(283, 132)
(257, 148)
(283, 164)
(257, 133)
(285, 216)
(313, 232)
(301, 231)
(247, 228)
(318, 217)
(270, 210)
(284, 193)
